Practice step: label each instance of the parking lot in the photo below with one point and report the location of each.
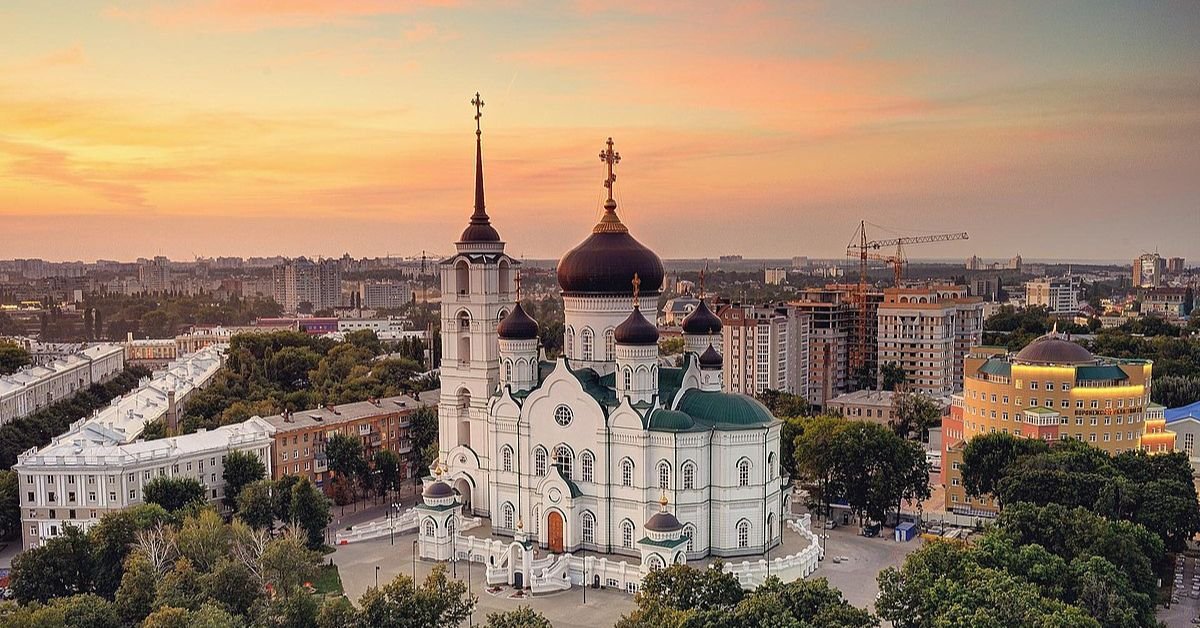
(852, 561)
(1185, 594)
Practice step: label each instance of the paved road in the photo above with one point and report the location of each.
(1181, 614)
(861, 560)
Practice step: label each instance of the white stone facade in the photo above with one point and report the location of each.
(36, 387)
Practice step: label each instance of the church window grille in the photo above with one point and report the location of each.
(539, 461)
(743, 534)
(626, 473)
(589, 527)
(654, 562)
(689, 476)
(507, 518)
(506, 458)
(771, 466)
(627, 534)
(564, 459)
(744, 473)
(628, 377)
(508, 370)
(563, 415)
(610, 345)
(664, 475)
(689, 533)
(569, 341)
(585, 344)
(429, 527)
(587, 467)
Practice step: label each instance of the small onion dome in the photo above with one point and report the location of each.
(663, 521)
(711, 358)
(479, 232)
(517, 325)
(636, 330)
(437, 490)
(1051, 349)
(702, 321)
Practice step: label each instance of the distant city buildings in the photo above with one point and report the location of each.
(1060, 295)
(926, 331)
(765, 347)
(975, 263)
(38, 386)
(382, 294)
(833, 333)
(1170, 303)
(775, 276)
(875, 406)
(303, 286)
(1149, 270)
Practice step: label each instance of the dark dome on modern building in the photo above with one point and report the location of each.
(701, 321)
(607, 260)
(636, 330)
(1054, 349)
(437, 490)
(663, 522)
(517, 325)
(711, 358)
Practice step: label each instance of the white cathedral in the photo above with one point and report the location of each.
(609, 448)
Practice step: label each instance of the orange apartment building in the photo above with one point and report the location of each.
(299, 446)
(1053, 389)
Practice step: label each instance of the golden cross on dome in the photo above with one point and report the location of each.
(518, 282)
(610, 158)
(478, 102)
(703, 271)
(637, 282)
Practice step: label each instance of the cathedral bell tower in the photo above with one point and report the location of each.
(477, 292)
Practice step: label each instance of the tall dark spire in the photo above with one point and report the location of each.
(480, 229)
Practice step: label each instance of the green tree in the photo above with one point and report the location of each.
(84, 610)
(256, 504)
(310, 511)
(423, 431)
(231, 586)
(914, 413)
(203, 539)
(282, 496)
(290, 367)
(521, 617)
(62, 566)
(287, 611)
(112, 539)
(173, 493)
(179, 587)
(337, 612)
(986, 459)
(287, 563)
(135, 596)
(439, 601)
(815, 603)
(784, 404)
(387, 465)
(815, 460)
(345, 454)
(168, 617)
(892, 376)
(683, 588)
(875, 469)
(10, 507)
(12, 358)
(1174, 391)
(241, 468)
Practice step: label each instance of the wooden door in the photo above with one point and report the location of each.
(554, 532)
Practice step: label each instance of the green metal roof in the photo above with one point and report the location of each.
(1041, 410)
(996, 366)
(724, 410)
(670, 421)
(1102, 372)
(670, 380)
(592, 385)
(682, 540)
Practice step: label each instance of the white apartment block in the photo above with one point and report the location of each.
(303, 284)
(765, 347)
(383, 294)
(36, 387)
(1059, 294)
(927, 331)
(90, 471)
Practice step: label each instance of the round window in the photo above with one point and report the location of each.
(562, 416)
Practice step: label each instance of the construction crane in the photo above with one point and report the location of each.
(863, 249)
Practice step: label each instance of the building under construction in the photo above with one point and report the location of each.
(834, 312)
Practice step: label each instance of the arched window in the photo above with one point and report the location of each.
(506, 458)
(569, 343)
(588, 526)
(628, 378)
(610, 345)
(450, 527)
(689, 532)
(743, 534)
(539, 461)
(429, 527)
(627, 534)
(654, 562)
(626, 472)
(464, 321)
(507, 515)
(689, 476)
(508, 370)
(771, 466)
(770, 527)
(462, 277)
(585, 343)
(503, 277)
(664, 475)
(564, 458)
(587, 464)
(743, 466)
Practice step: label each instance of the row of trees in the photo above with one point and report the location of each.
(164, 316)
(681, 595)
(267, 373)
(1155, 491)
(38, 428)
(12, 358)
(1037, 566)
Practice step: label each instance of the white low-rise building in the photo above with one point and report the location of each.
(36, 387)
(92, 470)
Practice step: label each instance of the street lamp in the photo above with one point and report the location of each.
(584, 581)
(376, 576)
(414, 562)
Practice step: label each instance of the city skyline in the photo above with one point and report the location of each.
(208, 128)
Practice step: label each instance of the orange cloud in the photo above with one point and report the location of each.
(256, 15)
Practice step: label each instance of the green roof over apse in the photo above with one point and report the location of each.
(724, 410)
(670, 421)
(1102, 372)
(997, 366)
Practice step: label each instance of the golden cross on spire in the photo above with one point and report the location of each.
(637, 282)
(702, 273)
(518, 282)
(478, 102)
(610, 158)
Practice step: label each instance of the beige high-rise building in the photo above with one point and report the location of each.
(1148, 270)
(927, 331)
(834, 331)
(765, 347)
(303, 286)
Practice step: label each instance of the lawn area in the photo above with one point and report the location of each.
(328, 581)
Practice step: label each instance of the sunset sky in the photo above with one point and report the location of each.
(262, 127)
